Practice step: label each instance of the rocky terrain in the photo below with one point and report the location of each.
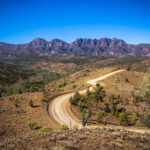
(103, 46)
(85, 139)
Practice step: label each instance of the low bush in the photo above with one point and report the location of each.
(123, 117)
(31, 103)
(105, 122)
(99, 115)
(75, 127)
(75, 98)
(32, 124)
(126, 80)
(63, 127)
(74, 86)
(16, 102)
(46, 129)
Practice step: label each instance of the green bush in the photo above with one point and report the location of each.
(32, 124)
(46, 129)
(75, 127)
(75, 98)
(31, 103)
(62, 84)
(105, 122)
(134, 119)
(98, 94)
(63, 127)
(123, 117)
(74, 86)
(86, 114)
(126, 80)
(16, 102)
(116, 114)
(99, 115)
(80, 107)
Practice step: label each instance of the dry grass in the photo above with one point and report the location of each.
(14, 120)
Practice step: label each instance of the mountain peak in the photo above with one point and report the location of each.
(39, 39)
(57, 40)
(81, 46)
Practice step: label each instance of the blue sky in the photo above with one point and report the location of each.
(23, 20)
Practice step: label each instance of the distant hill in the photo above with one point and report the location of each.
(10, 74)
(103, 46)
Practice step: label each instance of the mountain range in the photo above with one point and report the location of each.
(103, 46)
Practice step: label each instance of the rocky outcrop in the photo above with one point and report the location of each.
(80, 46)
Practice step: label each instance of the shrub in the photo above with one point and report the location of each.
(126, 80)
(123, 116)
(76, 98)
(80, 107)
(75, 127)
(88, 93)
(86, 114)
(134, 119)
(32, 124)
(107, 109)
(105, 122)
(147, 93)
(62, 85)
(58, 89)
(16, 102)
(46, 129)
(63, 127)
(43, 100)
(74, 86)
(145, 120)
(31, 103)
(99, 115)
(113, 112)
(116, 114)
(98, 94)
(72, 81)
(16, 105)
(128, 68)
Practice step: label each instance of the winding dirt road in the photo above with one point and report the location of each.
(59, 108)
(60, 113)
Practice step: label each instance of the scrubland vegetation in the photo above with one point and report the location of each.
(25, 91)
(129, 108)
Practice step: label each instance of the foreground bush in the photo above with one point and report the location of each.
(75, 127)
(63, 127)
(46, 129)
(32, 124)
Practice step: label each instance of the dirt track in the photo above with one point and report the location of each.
(59, 109)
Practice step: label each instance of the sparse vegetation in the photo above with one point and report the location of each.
(32, 124)
(30, 103)
(46, 129)
(123, 118)
(100, 114)
(86, 114)
(75, 127)
(48, 75)
(76, 98)
(145, 120)
(64, 127)
(98, 94)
